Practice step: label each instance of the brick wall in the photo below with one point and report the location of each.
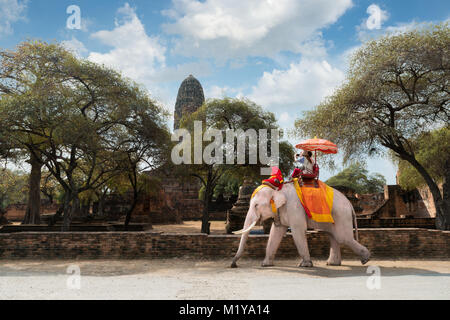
(383, 243)
(16, 212)
(427, 223)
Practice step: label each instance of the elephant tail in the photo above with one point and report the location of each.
(355, 224)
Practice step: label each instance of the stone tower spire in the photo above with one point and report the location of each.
(190, 98)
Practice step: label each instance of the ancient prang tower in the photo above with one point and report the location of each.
(190, 98)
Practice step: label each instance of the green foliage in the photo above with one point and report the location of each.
(84, 122)
(238, 115)
(397, 88)
(13, 187)
(433, 150)
(228, 185)
(50, 188)
(81, 118)
(356, 177)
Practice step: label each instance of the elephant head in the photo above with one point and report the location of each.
(260, 209)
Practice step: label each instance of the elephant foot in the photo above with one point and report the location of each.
(233, 264)
(333, 263)
(365, 259)
(306, 264)
(266, 264)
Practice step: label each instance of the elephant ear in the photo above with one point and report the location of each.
(279, 199)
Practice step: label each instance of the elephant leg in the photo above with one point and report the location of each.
(299, 235)
(359, 249)
(275, 237)
(335, 252)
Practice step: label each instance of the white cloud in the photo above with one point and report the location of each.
(75, 46)
(365, 34)
(284, 117)
(181, 71)
(300, 87)
(287, 92)
(217, 92)
(134, 52)
(236, 28)
(11, 11)
(140, 56)
(404, 27)
(343, 59)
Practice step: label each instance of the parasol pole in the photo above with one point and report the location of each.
(315, 153)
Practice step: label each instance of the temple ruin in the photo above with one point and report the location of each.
(190, 97)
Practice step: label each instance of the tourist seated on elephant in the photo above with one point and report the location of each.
(304, 166)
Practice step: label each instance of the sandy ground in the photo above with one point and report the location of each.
(213, 279)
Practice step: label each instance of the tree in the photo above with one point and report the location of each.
(237, 116)
(50, 187)
(228, 184)
(357, 178)
(142, 146)
(72, 116)
(397, 88)
(29, 78)
(13, 187)
(431, 149)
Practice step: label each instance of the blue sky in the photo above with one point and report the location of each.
(286, 55)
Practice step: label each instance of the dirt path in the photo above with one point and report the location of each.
(192, 279)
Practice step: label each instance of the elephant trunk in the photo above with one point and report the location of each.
(250, 222)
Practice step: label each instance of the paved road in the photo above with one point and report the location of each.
(191, 279)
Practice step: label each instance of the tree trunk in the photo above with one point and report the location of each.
(440, 203)
(205, 217)
(444, 207)
(33, 211)
(70, 208)
(56, 216)
(101, 205)
(95, 209)
(130, 211)
(85, 209)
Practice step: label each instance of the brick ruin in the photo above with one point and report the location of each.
(174, 202)
(16, 212)
(398, 203)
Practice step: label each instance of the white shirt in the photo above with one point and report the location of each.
(309, 166)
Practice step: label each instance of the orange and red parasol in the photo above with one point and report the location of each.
(316, 144)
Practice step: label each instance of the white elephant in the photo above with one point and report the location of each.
(292, 214)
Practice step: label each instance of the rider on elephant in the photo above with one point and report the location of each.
(304, 166)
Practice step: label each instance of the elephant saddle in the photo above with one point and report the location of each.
(317, 202)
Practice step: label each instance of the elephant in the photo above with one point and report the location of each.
(292, 214)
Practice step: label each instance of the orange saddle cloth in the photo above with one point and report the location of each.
(318, 202)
